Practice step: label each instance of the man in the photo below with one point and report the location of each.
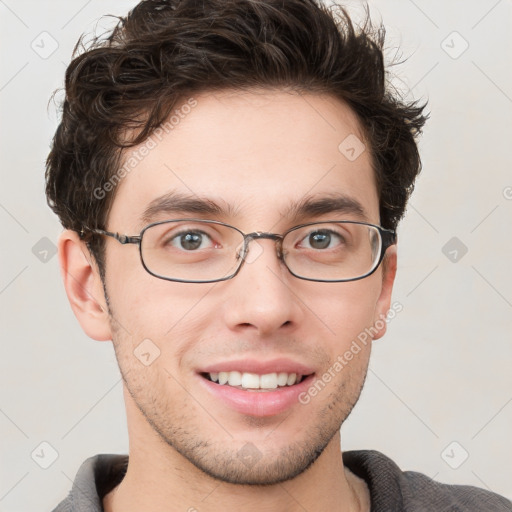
(230, 175)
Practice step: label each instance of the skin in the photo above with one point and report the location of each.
(257, 151)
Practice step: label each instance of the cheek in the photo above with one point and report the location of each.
(344, 310)
(157, 316)
(145, 304)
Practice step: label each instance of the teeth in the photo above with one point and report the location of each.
(234, 378)
(251, 380)
(255, 381)
(268, 381)
(291, 379)
(282, 379)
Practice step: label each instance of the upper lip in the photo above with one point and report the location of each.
(260, 367)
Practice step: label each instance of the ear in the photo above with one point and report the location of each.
(83, 286)
(384, 301)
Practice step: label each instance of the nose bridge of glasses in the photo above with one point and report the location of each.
(259, 235)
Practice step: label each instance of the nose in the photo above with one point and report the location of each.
(260, 297)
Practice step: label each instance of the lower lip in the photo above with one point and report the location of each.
(258, 403)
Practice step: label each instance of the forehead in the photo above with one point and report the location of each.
(255, 153)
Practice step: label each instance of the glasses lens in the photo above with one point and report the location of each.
(332, 251)
(191, 250)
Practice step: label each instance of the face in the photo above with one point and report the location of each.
(255, 155)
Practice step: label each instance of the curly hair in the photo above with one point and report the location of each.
(130, 80)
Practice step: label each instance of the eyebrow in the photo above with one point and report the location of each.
(179, 203)
(309, 207)
(332, 203)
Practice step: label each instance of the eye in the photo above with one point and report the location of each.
(322, 239)
(190, 240)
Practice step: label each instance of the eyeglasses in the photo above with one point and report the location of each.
(206, 251)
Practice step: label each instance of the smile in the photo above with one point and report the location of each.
(253, 381)
(267, 399)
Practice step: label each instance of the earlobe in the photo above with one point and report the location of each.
(83, 286)
(384, 301)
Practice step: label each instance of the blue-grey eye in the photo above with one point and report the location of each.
(191, 240)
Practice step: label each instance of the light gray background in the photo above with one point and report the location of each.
(442, 373)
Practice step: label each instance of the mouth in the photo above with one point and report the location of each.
(253, 394)
(255, 382)
(256, 387)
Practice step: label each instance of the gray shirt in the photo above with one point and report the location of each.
(391, 490)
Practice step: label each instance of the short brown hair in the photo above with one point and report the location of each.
(164, 51)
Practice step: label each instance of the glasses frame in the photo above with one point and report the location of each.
(388, 238)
